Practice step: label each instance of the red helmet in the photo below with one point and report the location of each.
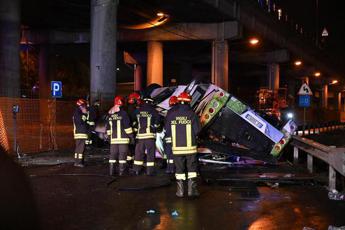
(133, 98)
(118, 100)
(184, 97)
(81, 102)
(173, 101)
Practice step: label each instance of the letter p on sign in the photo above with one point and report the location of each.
(56, 89)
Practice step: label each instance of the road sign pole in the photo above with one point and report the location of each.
(304, 114)
(304, 100)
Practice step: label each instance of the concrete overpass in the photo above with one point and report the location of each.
(227, 20)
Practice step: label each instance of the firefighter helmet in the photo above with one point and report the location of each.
(173, 100)
(118, 100)
(184, 97)
(134, 98)
(81, 102)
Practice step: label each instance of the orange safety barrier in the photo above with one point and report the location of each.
(3, 136)
(42, 125)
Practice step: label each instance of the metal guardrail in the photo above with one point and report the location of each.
(334, 157)
(317, 129)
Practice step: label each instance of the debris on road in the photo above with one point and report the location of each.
(335, 195)
(308, 228)
(289, 175)
(272, 185)
(150, 211)
(331, 227)
(174, 213)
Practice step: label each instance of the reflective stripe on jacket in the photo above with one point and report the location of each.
(119, 128)
(147, 121)
(167, 136)
(182, 126)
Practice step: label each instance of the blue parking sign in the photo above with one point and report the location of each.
(56, 89)
(304, 101)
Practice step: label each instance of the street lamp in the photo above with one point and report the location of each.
(317, 74)
(254, 41)
(158, 20)
(334, 82)
(280, 13)
(298, 63)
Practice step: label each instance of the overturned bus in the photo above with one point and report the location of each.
(225, 119)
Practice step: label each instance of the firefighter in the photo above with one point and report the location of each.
(173, 101)
(182, 127)
(132, 108)
(92, 116)
(148, 122)
(80, 131)
(121, 134)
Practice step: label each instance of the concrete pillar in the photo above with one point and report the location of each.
(103, 49)
(9, 48)
(154, 63)
(220, 64)
(332, 176)
(339, 102)
(273, 76)
(138, 75)
(325, 97)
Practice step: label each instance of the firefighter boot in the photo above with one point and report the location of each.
(150, 171)
(137, 169)
(79, 163)
(180, 190)
(168, 169)
(111, 169)
(192, 190)
(122, 168)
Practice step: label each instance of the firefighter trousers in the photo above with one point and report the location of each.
(130, 154)
(79, 150)
(186, 164)
(170, 158)
(118, 152)
(150, 147)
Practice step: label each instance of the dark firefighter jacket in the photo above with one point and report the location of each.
(132, 112)
(119, 128)
(167, 136)
(182, 126)
(80, 127)
(92, 115)
(148, 122)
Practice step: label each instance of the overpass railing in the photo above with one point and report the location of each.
(319, 128)
(282, 15)
(333, 156)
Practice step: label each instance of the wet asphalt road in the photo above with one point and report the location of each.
(94, 201)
